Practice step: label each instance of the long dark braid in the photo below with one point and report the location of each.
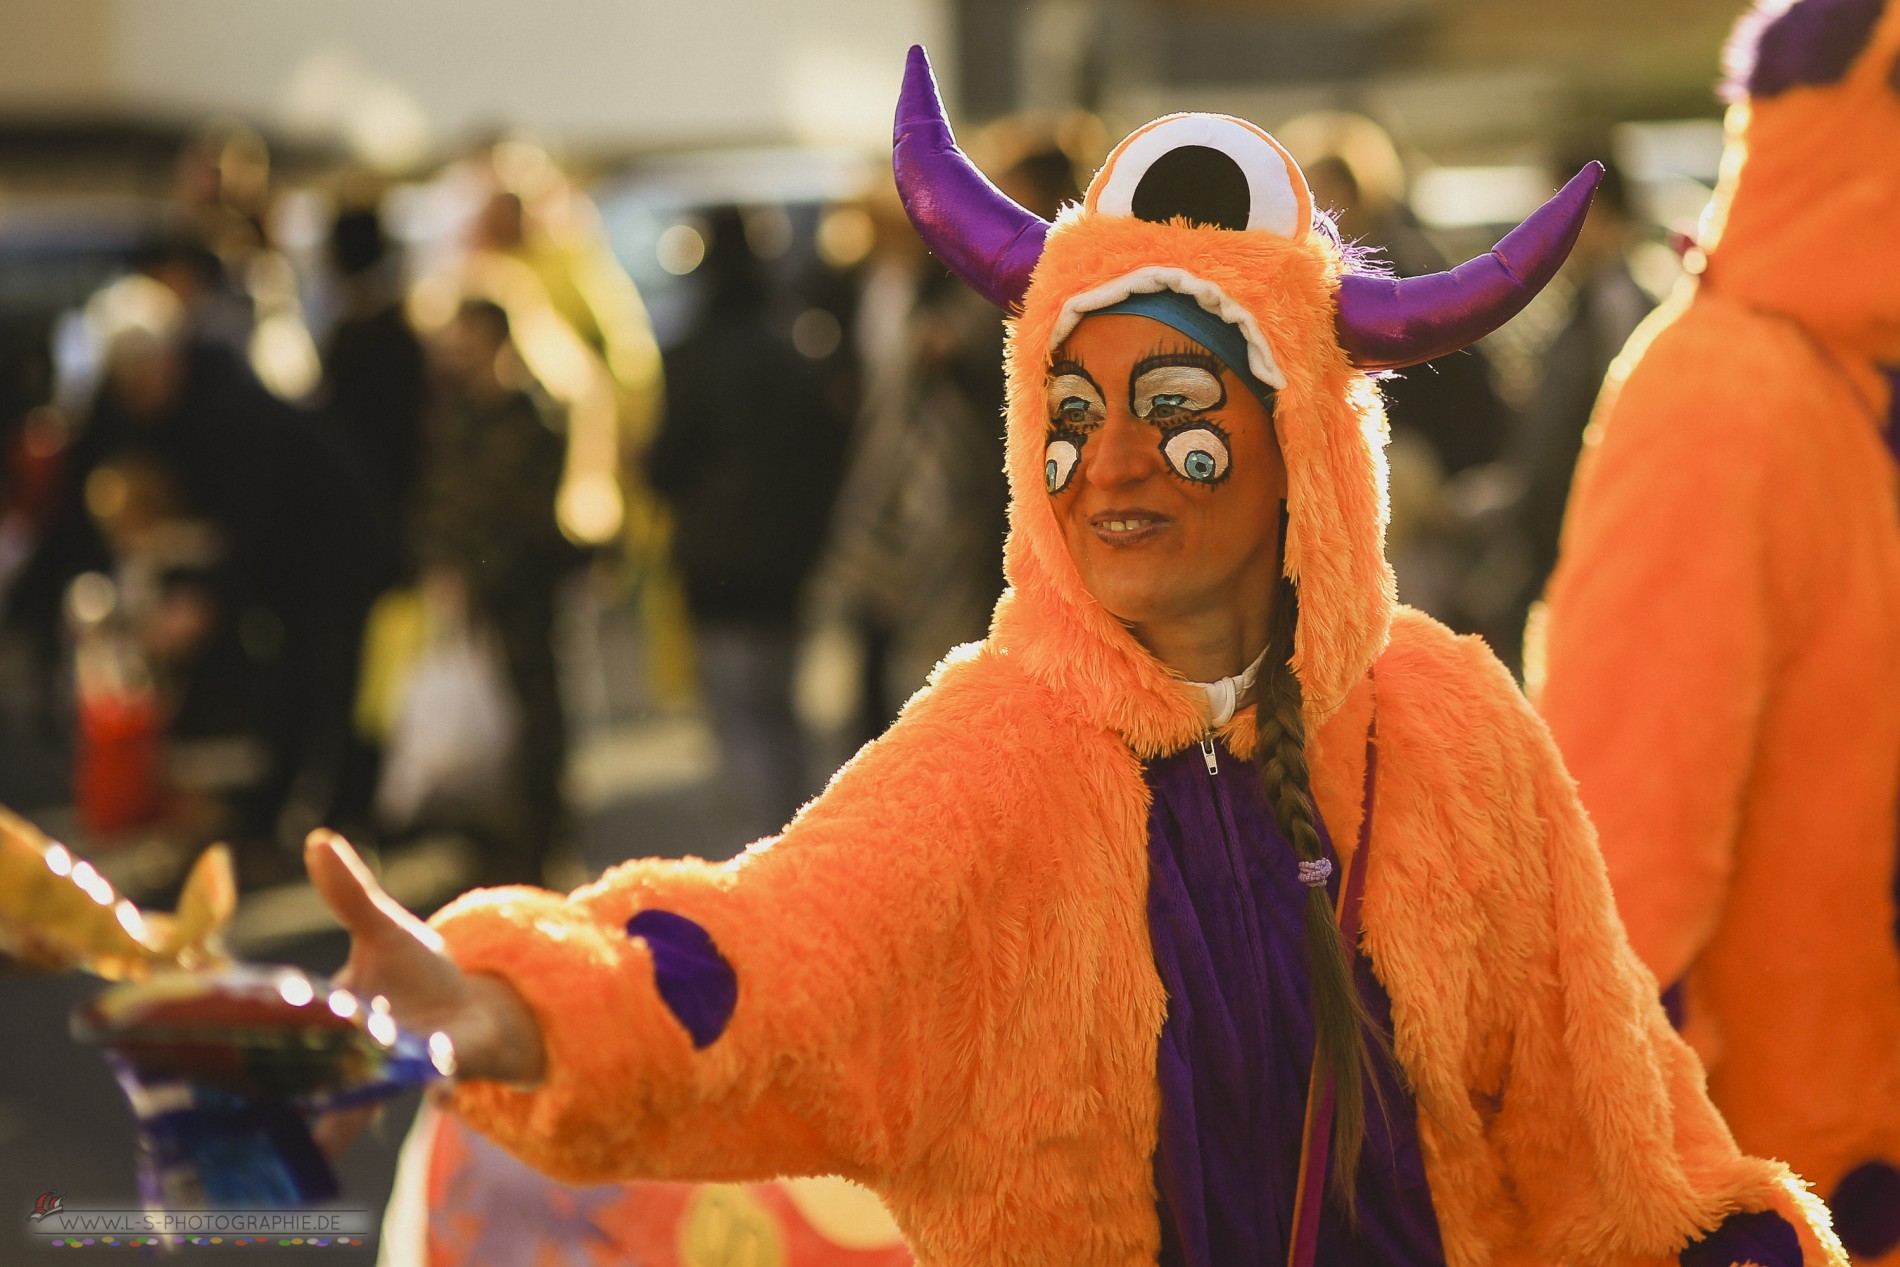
(1340, 1021)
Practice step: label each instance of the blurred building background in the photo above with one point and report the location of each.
(402, 400)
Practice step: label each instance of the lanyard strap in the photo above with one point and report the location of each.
(1303, 1246)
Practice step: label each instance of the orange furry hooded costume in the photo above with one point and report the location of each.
(1722, 642)
(945, 986)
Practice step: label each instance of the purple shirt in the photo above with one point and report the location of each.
(1225, 918)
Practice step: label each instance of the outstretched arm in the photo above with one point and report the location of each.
(774, 1015)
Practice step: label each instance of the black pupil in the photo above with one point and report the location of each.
(1197, 182)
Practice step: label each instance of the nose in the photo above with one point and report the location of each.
(1121, 452)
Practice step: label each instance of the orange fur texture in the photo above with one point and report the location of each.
(1720, 663)
(946, 987)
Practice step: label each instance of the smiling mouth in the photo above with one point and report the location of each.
(1127, 527)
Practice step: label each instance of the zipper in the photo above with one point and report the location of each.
(1233, 850)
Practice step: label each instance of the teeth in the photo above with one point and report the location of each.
(1126, 525)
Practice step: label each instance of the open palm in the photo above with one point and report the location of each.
(396, 955)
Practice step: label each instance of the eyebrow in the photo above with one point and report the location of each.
(1190, 354)
(1069, 365)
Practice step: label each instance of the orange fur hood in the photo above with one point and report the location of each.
(1806, 220)
(1331, 429)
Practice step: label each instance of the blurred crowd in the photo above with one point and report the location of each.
(288, 536)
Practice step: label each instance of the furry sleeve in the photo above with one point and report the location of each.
(842, 933)
(1562, 1119)
(1604, 1108)
(1658, 631)
(1603, 1126)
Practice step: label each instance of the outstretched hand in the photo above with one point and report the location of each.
(396, 955)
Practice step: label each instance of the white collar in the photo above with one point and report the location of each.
(1226, 696)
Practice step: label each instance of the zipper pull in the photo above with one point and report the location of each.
(1207, 755)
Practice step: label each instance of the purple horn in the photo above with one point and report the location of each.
(1387, 323)
(976, 229)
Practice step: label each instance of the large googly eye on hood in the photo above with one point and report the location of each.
(1209, 169)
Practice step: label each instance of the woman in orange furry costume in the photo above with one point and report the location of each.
(1054, 965)
(1720, 667)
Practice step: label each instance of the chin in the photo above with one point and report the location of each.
(1139, 600)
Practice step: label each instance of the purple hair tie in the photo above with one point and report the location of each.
(1316, 872)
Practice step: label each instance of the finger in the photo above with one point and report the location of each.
(345, 884)
(353, 895)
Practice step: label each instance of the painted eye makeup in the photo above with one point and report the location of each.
(1059, 460)
(1197, 453)
(1075, 404)
(1075, 409)
(1163, 392)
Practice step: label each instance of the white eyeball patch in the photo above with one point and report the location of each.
(1197, 453)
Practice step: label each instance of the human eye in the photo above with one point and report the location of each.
(1166, 405)
(1171, 391)
(1074, 404)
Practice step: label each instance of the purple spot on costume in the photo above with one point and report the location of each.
(1893, 388)
(1866, 1205)
(1764, 1239)
(694, 979)
(1813, 42)
(1675, 1004)
(1893, 446)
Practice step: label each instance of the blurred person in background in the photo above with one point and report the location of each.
(1446, 415)
(33, 436)
(371, 402)
(1719, 642)
(749, 456)
(914, 560)
(537, 240)
(535, 246)
(1357, 175)
(487, 544)
(375, 373)
(32, 441)
(212, 308)
(237, 286)
(538, 218)
(222, 185)
(1604, 306)
(221, 198)
(284, 614)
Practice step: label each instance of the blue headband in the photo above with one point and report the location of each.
(1181, 312)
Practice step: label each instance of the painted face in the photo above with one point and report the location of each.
(1164, 471)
